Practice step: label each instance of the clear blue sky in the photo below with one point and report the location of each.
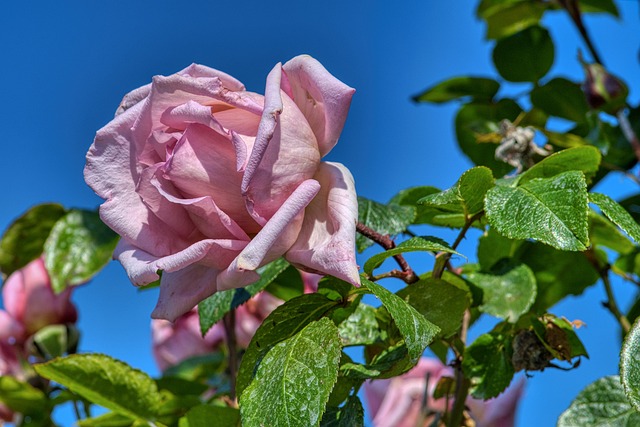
(67, 64)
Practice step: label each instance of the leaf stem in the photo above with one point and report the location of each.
(442, 259)
(229, 322)
(387, 243)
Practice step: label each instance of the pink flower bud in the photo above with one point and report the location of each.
(29, 299)
(602, 89)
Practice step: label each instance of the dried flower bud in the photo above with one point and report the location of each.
(529, 353)
(603, 90)
(517, 147)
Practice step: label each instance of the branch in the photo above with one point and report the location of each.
(387, 243)
(229, 322)
(442, 259)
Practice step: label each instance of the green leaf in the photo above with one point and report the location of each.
(294, 380)
(110, 419)
(487, 363)
(617, 214)
(551, 210)
(467, 195)
(283, 323)
(107, 382)
(602, 403)
(493, 247)
(599, 6)
(477, 118)
(197, 368)
(415, 244)
(417, 331)
(213, 309)
(287, 285)
(603, 232)
(349, 415)
(55, 340)
(512, 18)
(388, 219)
(585, 159)
(561, 98)
(77, 248)
(440, 302)
(507, 293)
(24, 240)
(203, 416)
(22, 397)
(361, 328)
(525, 56)
(630, 365)
(477, 88)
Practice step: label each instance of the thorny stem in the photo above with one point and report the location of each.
(611, 303)
(229, 322)
(387, 243)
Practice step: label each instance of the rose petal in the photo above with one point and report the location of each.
(323, 99)
(326, 243)
(285, 153)
(273, 240)
(133, 97)
(197, 70)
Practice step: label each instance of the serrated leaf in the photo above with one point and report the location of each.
(602, 403)
(466, 196)
(487, 363)
(22, 397)
(507, 293)
(585, 159)
(417, 331)
(494, 247)
(415, 244)
(477, 88)
(294, 379)
(204, 415)
(630, 365)
(24, 240)
(388, 219)
(525, 56)
(283, 323)
(479, 118)
(512, 18)
(551, 210)
(603, 232)
(77, 248)
(287, 285)
(197, 368)
(561, 98)
(617, 214)
(360, 328)
(440, 302)
(351, 414)
(106, 382)
(213, 309)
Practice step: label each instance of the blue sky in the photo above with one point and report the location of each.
(68, 64)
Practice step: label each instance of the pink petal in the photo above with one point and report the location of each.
(285, 153)
(323, 99)
(326, 243)
(133, 97)
(198, 71)
(112, 172)
(272, 241)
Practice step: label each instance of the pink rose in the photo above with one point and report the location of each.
(207, 181)
(397, 402)
(30, 301)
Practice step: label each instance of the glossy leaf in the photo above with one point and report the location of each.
(551, 210)
(24, 240)
(585, 159)
(22, 397)
(106, 382)
(512, 17)
(360, 328)
(440, 302)
(630, 365)
(602, 403)
(213, 309)
(351, 414)
(487, 363)
(561, 98)
(507, 293)
(617, 214)
(77, 248)
(477, 88)
(415, 244)
(283, 323)
(203, 416)
(417, 331)
(605, 233)
(466, 196)
(294, 379)
(525, 56)
(389, 219)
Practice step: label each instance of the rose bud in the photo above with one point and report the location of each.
(603, 90)
(207, 181)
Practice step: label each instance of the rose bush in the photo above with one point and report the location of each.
(207, 181)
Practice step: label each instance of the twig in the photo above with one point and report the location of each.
(387, 243)
(629, 133)
(442, 259)
(229, 322)
(462, 384)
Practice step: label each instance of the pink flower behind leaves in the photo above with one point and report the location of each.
(31, 302)
(208, 182)
(397, 402)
